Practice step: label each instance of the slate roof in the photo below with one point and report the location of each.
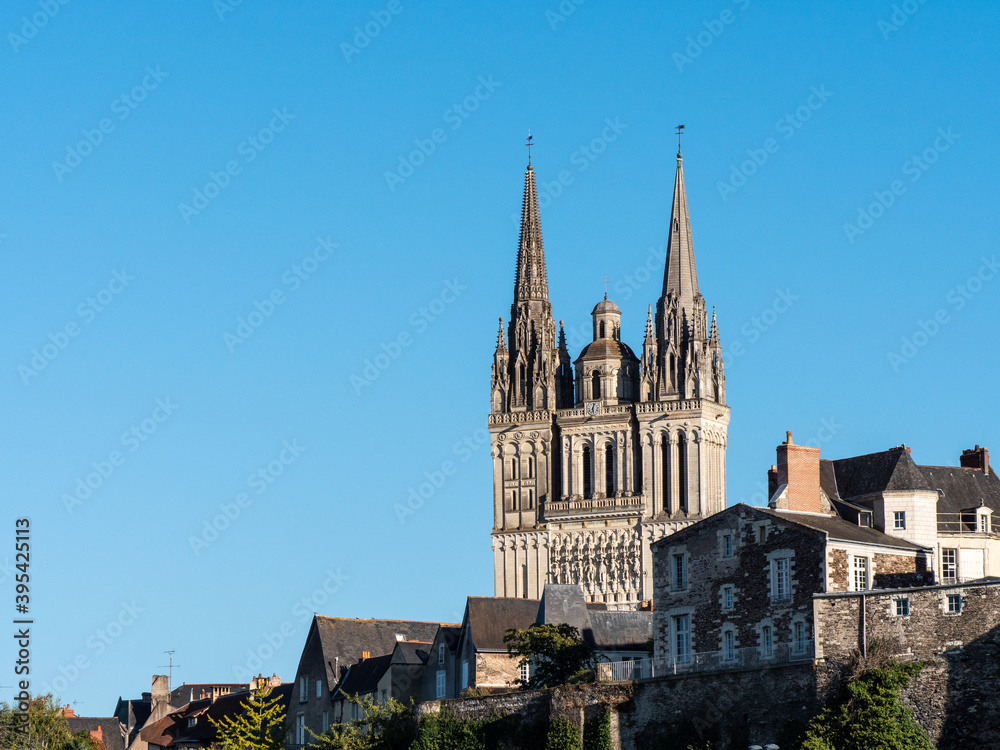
(963, 488)
(187, 693)
(362, 678)
(140, 711)
(842, 531)
(411, 652)
(490, 617)
(605, 348)
(111, 729)
(859, 477)
(622, 631)
(451, 634)
(347, 639)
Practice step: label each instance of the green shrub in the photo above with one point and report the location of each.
(563, 735)
(597, 732)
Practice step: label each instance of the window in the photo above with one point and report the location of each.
(766, 642)
(385, 695)
(596, 381)
(727, 597)
(680, 574)
(727, 545)
(441, 653)
(682, 473)
(782, 590)
(326, 720)
(588, 472)
(665, 466)
(441, 683)
(899, 519)
(728, 645)
(860, 573)
(761, 534)
(300, 728)
(465, 674)
(303, 689)
(531, 467)
(513, 468)
(954, 603)
(525, 672)
(902, 608)
(602, 330)
(319, 688)
(949, 565)
(984, 523)
(799, 637)
(682, 638)
(193, 721)
(609, 471)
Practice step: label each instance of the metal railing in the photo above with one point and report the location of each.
(753, 657)
(967, 524)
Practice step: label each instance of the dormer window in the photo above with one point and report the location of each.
(193, 721)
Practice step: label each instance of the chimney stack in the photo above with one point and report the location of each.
(798, 468)
(161, 691)
(976, 458)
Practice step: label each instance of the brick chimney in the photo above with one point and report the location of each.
(976, 458)
(798, 467)
(98, 734)
(68, 712)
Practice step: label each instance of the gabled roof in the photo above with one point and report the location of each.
(861, 476)
(140, 710)
(450, 634)
(187, 693)
(363, 678)
(839, 530)
(621, 631)
(345, 640)
(963, 488)
(490, 617)
(411, 652)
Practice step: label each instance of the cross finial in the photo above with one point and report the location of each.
(605, 280)
(528, 144)
(680, 131)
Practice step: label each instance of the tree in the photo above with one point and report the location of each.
(83, 741)
(260, 726)
(383, 726)
(869, 715)
(556, 653)
(46, 727)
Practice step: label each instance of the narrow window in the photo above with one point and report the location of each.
(680, 575)
(441, 653)
(596, 384)
(727, 597)
(319, 688)
(602, 330)
(984, 523)
(727, 545)
(303, 688)
(588, 473)
(465, 674)
(766, 642)
(682, 473)
(799, 637)
(902, 607)
(665, 454)
(531, 467)
(300, 727)
(954, 603)
(525, 672)
(949, 565)
(860, 573)
(440, 683)
(781, 588)
(513, 468)
(682, 638)
(531, 499)
(729, 645)
(326, 720)
(609, 471)
(899, 520)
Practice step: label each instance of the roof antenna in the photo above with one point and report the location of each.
(680, 131)
(528, 144)
(170, 667)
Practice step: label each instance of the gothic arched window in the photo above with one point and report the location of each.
(596, 384)
(665, 456)
(513, 468)
(682, 473)
(609, 471)
(588, 472)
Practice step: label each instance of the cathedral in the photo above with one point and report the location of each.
(596, 458)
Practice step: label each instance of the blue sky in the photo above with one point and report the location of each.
(173, 170)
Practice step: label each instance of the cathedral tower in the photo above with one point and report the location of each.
(593, 460)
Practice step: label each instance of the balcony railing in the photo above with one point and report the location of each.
(578, 505)
(967, 524)
(713, 661)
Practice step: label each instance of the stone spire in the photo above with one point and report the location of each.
(647, 388)
(530, 281)
(680, 276)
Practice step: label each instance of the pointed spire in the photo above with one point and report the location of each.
(501, 343)
(680, 276)
(713, 335)
(530, 281)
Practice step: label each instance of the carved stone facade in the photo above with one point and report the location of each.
(595, 459)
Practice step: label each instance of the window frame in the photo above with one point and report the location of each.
(951, 552)
(855, 569)
(679, 578)
(781, 580)
(441, 685)
(727, 545)
(767, 641)
(319, 689)
(954, 599)
(799, 637)
(728, 596)
(682, 655)
(303, 688)
(901, 606)
(899, 520)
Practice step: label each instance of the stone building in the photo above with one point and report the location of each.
(594, 459)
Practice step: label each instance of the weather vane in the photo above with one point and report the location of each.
(680, 130)
(528, 144)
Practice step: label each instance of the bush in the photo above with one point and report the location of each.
(563, 735)
(597, 732)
